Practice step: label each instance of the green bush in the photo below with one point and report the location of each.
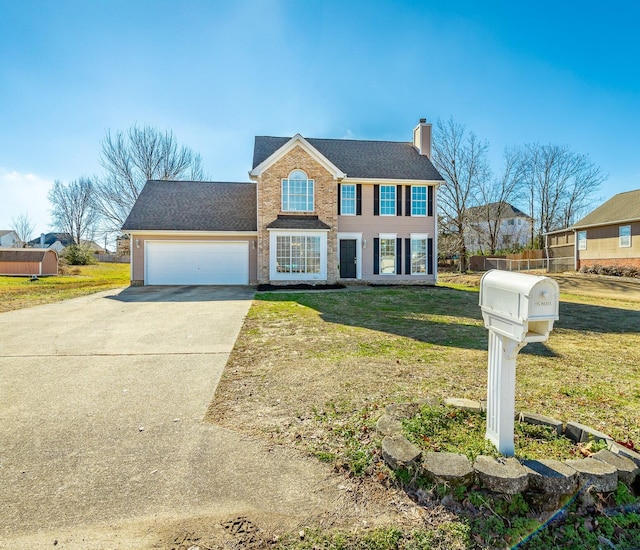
(78, 255)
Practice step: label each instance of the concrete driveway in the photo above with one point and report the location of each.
(102, 442)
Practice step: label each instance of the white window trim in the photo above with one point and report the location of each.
(420, 237)
(358, 239)
(274, 275)
(581, 243)
(391, 236)
(626, 237)
(313, 194)
(426, 202)
(355, 199)
(395, 199)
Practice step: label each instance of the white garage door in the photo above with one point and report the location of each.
(197, 263)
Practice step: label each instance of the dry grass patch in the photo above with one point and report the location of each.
(20, 292)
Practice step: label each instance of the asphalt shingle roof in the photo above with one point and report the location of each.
(509, 211)
(23, 254)
(297, 222)
(194, 206)
(619, 208)
(361, 159)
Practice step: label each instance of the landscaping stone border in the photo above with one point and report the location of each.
(545, 481)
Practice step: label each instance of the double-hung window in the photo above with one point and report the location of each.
(582, 240)
(625, 236)
(419, 200)
(387, 200)
(297, 192)
(387, 255)
(418, 254)
(348, 199)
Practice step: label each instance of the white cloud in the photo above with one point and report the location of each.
(24, 193)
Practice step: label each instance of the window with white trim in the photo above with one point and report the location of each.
(582, 240)
(419, 200)
(625, 236)
(387, 256)
(298, 254)
(418, 254)
(348, 199)
(387, 200)
(297, 192)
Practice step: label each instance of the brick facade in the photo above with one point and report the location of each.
(269, 189)
(618, 262)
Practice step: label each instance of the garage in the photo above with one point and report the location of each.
(196, 262)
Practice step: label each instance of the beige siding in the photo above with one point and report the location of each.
(371, 226)
(137, 251)
(603, 247)
(48, 266)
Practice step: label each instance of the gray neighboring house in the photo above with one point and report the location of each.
(9, 238)
(317, 211)
(514, 229)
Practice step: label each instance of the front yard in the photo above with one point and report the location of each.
(314, 370)
(20, 292)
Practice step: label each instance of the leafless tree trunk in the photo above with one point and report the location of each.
(561, 183)
(24, 227)
(73, 208)
(496, 195)
(130, 159)
(461, 159)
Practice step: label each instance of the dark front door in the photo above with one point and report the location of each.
(348, 259)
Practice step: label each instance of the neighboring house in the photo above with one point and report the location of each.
(513, 231)
(28, 261)
(610, 235)
(317, 211)
(9, 238)
(55, 241)
(123, 245)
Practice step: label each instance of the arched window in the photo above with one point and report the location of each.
(297, 192)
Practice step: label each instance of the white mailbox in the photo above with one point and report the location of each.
(520, 307)
(517, 309)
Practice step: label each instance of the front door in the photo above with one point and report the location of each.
(348, 259)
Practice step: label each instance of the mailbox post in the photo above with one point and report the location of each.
(517, 309)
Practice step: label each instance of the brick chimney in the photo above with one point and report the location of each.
(422, 138)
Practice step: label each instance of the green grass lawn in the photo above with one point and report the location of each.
(314, 370)
(20, 292)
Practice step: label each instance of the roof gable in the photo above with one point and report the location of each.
(490, 211)
(358, 159)
(623, 207)
(194, 206)
(273, 149)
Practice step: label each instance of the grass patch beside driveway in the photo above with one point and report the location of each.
(20, 292)
(304, 357)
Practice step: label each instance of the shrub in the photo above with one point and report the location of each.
(78, 255)
(611, 270)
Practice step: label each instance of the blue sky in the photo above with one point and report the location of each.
(218, 73)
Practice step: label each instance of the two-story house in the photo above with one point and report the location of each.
(499, 224)
(317, 211)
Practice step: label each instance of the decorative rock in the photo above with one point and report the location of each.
(506, 476)
(399, 452)
(540, 420)
(582, 434)
(452, 468)
(387, 425)
(466, 404)
(626, 452)
(628, 471)
(551, 477)
(601, 476)
(402, 410)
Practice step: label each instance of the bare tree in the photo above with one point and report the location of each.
(73, 209)
(24, 227)
(560, 184)
(130, 159)
(495, 196)
(461, 159)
